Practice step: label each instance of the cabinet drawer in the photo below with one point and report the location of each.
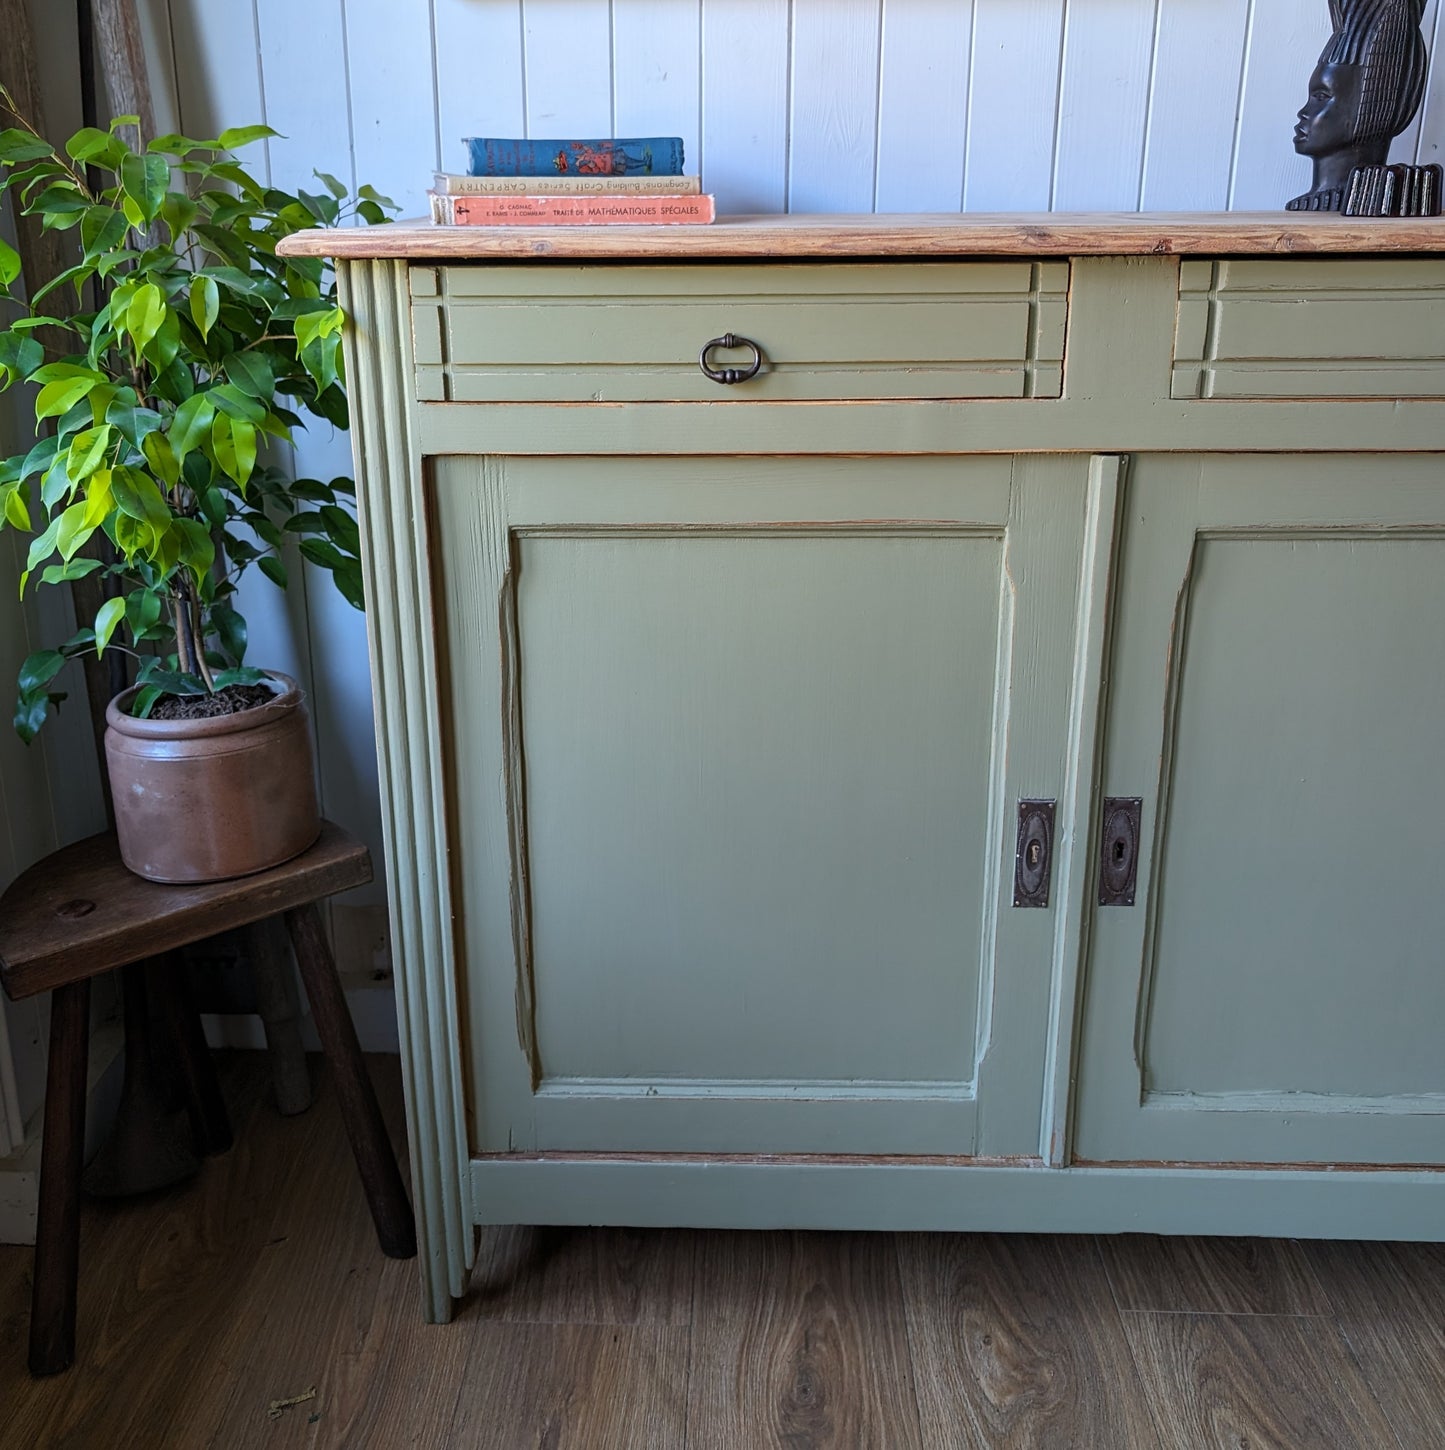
(1333, 328)
(524, 333)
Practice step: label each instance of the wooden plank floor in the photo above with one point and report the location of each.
(260, 1282)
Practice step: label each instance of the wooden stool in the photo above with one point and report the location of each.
(79, 912)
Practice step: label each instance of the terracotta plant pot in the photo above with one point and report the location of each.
(206, 800)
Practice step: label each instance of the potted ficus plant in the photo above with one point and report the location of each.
(191, 351)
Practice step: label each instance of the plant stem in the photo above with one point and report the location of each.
(185, 647)
(198, 638)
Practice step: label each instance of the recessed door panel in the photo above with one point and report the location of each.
(1276, 994)
(733, 746)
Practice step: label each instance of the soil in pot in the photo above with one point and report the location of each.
(229, 701)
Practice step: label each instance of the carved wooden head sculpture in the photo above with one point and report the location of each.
(1363, 93)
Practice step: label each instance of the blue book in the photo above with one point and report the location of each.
(611, 156)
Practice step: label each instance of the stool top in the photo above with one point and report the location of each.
(78, 912)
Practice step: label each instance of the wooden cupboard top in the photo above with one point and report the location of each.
(999, 234)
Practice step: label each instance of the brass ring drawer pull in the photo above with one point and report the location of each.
(730, 375)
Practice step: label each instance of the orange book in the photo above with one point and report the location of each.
(559, 211)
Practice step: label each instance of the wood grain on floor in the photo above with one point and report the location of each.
(1265, 1382)
(799, 1340)
(1389, 1300)
(1016, 1342)
(260, 1282)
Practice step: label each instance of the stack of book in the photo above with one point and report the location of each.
(616, 181)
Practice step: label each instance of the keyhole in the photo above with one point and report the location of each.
(1035, 854)
(1119, 850)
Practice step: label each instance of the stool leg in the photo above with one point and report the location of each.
(380, 1177)
(57, 1234)
(205, 1105)
(280, 1015)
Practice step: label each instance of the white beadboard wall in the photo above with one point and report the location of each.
(796, 105)
(783, 105)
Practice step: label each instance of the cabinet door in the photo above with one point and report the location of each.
(1277, 670)
(735, 750)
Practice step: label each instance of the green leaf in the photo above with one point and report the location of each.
(238, 136)
(161, 457)
(57, 484)
(88, 144)
(17, 146)
(273, 569)
(14, 511)
(39, 669)
(41, 548)
(144, 315)
(60, 202)
(134, 423)
(324, 208)
(371, 213)
(230, 399)
(62, 395)
(161, 351)
(237, 281)
(174, 144)
(74, 569)
(241, 675)
(145, 701)
(9, 263)
(196, 551)
(191, 424)
(178, 211)
(138, 497)
(87, 450)
(142, 611)
(73, 531)
(107, 617)
(328, 556)
(76, 274)
(54, 372)
(230, 628)
(40, 457)
(99, 499)
(101, 229)
(221, 243)
(251, 372)
(135, 538)
(342, 528)
(313, 491)
(234, 444)
(175, 383)
(318, 324)
(321, 359)
(213, 507)
(30, 713)
(120, 121)
(331, 184)
(348, 580)
(370, 193)
(205, 303)
(144, 180)
(264, 528)
(21, 354)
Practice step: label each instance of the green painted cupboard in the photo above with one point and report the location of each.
(981, 769)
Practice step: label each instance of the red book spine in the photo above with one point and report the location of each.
(523, 211)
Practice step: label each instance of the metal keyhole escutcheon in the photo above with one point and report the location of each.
(1119, 850)
(730, 375)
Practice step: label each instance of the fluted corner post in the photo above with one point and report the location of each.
(392, 507)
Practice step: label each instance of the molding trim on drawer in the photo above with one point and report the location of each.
(1333, 328)
(606, 334)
